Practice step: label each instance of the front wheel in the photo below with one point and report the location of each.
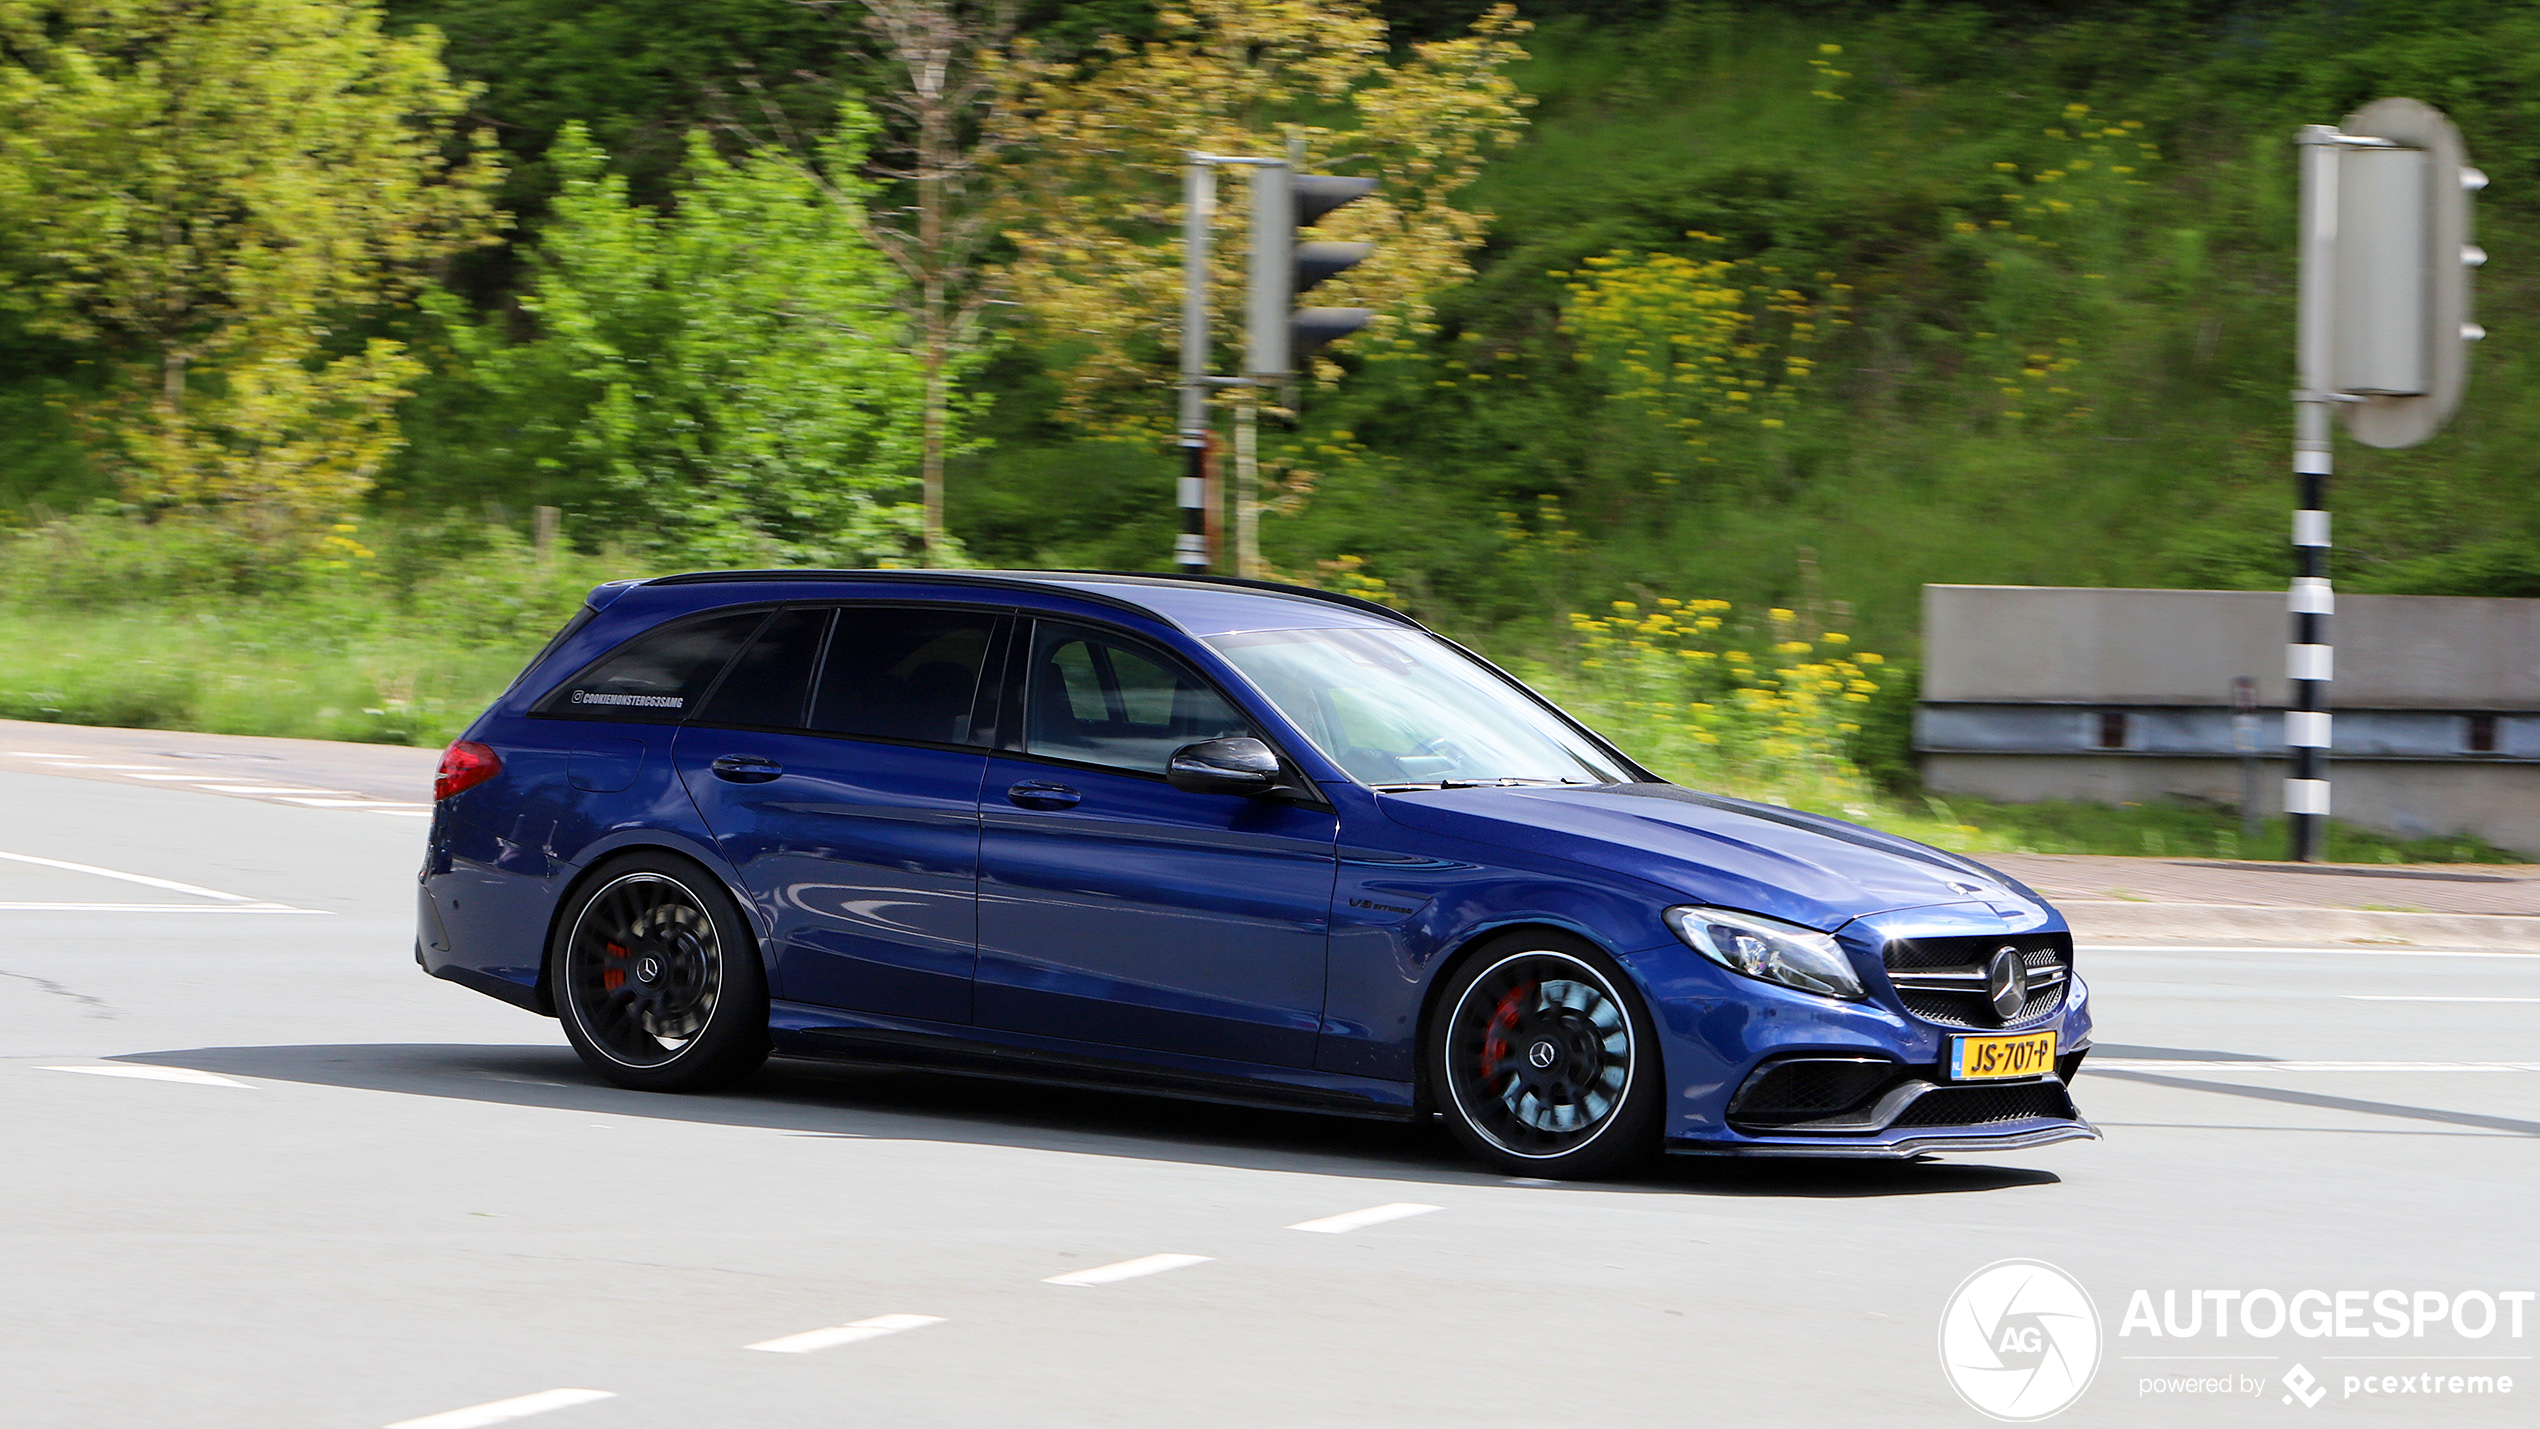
(1543, 1061)
(657, 979)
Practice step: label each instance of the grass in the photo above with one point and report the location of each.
(2153, 830)
(361, 654)
(251, 671)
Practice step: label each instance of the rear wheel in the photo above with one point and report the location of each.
(1543, 1061)
(657, 979)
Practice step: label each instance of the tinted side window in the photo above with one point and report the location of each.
(659, 676)
(1102, 699)
(899, 673)
(771, 681)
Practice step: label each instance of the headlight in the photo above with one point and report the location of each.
(1768, 949)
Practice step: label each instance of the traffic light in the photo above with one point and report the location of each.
(2403, 261)
(1279, 334)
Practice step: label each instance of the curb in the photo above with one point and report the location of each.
(2202, 923)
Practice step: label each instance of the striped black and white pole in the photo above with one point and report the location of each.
(2307, 657)
(1199, 200)
(2309, 661)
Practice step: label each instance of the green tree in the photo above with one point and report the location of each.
(724, 383)
(215, 196)
(1096, 206)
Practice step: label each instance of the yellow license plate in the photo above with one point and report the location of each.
(1985, 1059)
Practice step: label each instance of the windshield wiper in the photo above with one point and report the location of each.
(1505, 782)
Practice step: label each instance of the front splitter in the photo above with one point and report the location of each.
(1903, 1148)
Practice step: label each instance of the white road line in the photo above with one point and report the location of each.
(2322, 952)
(1127, 1270)
(357, 803)
(406, 813)
(219, 787)
(1359, 1220)
(193, 778)
(144, 880)
(868, 1329)
(2392, 997)
(504, 1410)
(2209, 1067)
(83, 764)
(139, 1072)
(194, 908)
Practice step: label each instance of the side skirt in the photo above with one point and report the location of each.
(870, 1039)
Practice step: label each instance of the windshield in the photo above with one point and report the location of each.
(1401, 708)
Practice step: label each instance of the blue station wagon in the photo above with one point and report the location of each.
(1219, 839)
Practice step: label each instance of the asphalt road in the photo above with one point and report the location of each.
(257, 1170)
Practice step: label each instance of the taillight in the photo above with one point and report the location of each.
(465, 765)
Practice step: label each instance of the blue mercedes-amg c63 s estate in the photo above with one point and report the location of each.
(1218, 839)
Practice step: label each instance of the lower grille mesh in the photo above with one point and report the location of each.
(1807, 1090)
(1984, 1106)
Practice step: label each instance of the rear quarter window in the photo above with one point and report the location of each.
(660, 676)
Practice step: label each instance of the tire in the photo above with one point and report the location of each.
(657, 979)
(1543, 1060)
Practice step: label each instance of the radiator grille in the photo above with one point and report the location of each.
(1942, 980)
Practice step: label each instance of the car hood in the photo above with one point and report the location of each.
(1730, 853)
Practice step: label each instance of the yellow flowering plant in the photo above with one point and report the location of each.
(1760, 711)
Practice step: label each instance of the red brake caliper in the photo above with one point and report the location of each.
(1503, 1020)
(613, 978)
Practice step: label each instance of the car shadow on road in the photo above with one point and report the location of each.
(825, 1099)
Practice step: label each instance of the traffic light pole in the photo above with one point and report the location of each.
(2308, 662)
(1276, 332)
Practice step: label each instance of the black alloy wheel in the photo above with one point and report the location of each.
(1543, 1062)
(657, 980)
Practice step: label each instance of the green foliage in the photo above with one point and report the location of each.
(2027, 393)
(206, 198)
(721, 384)
(639, 75)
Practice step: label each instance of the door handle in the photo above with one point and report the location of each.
(1033, 794)
(747, 768)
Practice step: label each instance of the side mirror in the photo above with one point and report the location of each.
(1224, 766)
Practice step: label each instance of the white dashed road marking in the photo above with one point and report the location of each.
(221, 902)
(2200, 951)
(1127, 1270)
(194, 908)
(143, 879)
(2374, 997)
(504, 1410)
(226, 788)
(1359, 1220)
(186, 1075)
(869, 1329)
(2208, 1068)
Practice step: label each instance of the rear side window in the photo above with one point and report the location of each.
(897, 672)
(556, 641)
(771, 681)
(657, 677)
